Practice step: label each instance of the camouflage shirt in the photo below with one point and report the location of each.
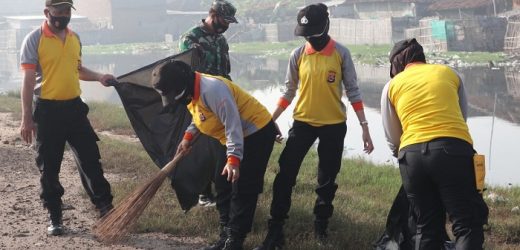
(213, 48)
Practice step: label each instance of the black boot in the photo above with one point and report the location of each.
(274, 239)
(56, 225)
(105, 209)
(219, 244)
(234, 240)
(320, 231)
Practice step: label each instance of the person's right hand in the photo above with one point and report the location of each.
(27, 130)
(184, 147)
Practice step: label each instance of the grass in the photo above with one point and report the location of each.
(128, 48)
(10, 102)
(363, 199)
(103, 116)
(364, 54)
(110, 117)
(364, 196)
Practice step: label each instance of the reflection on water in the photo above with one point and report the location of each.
(491, 93)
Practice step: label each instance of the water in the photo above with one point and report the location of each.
(493, 94)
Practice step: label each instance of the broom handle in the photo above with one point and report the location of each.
(168, 168)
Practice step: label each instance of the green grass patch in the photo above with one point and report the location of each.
(129, 48)
(11, 102)
(103, 116)
(365, 194)
(365, 54)
(109, 117)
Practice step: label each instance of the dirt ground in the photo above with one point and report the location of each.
(23, 220)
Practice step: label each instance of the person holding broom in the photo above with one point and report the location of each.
(224, 111)
(208, 38)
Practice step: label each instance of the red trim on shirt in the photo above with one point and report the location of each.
(233, 160)
(28, 66)
(48, 32)
(283, 103)
(196, 91)
(357, 106)
(188, 136)
(327, 51)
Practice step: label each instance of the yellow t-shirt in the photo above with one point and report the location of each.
(425, 97)
(212, 93)
(57, 63)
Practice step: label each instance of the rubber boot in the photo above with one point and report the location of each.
(234, 240)
(274, 239)
(219, 244)
(56, 224)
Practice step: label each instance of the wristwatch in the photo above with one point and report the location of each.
(363, 123)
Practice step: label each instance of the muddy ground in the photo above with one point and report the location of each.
(23, 221)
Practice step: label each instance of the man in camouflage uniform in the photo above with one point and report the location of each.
(208, 39)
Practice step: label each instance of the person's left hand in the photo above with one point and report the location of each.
(279, 136)
(232, 171)
(368, 147)
(106, 80)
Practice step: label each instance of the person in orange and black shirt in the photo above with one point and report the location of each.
(243, 126)
(319, 71)
(51, 62)
(424, 110)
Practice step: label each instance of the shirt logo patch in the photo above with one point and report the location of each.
(331, 77)
(202, 117)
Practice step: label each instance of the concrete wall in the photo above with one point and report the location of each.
(376, 10)
(279, 32)
(99, 12)
(357, 31)
(25, 7)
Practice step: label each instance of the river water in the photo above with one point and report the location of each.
(493, 94)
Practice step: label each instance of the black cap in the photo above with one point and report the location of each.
(403, 53)
(171, 79)
(312, 20)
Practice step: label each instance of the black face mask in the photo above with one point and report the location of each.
(59, 22)
(219, 28)
(318, 43)
(185, 99)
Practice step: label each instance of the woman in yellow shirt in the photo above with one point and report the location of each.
(424, 112)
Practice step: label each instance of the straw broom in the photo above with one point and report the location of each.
(118, 222)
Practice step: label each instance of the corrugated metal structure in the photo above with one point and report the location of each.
(466, 8)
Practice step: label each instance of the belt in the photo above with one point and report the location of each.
(436, 143)
(58, 102)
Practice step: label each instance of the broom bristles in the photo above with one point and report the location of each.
(118, 222)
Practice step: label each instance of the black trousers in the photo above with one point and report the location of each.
(236, 202)
(59, 122)
(330, 151)
(439, 176)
